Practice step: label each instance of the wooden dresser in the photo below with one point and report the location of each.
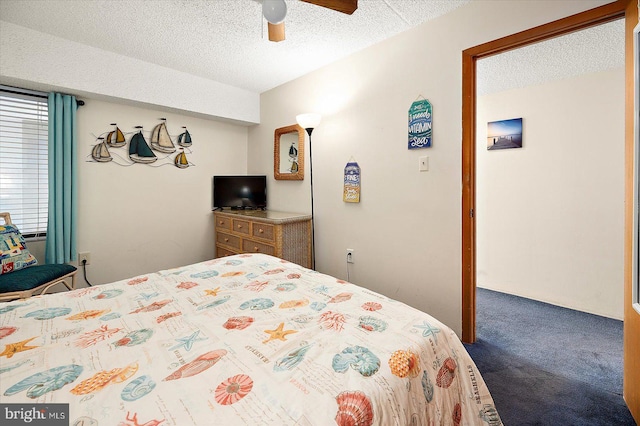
(281, 234)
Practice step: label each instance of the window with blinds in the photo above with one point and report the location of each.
(23, 161)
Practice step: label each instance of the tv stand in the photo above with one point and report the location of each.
(281, 234)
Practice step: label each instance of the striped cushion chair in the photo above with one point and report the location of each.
(20, 275)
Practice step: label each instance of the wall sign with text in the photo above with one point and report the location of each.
(420, 131)
(351, 193)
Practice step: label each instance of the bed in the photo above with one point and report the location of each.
(245, 339)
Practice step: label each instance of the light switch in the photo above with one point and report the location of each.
(423, 165)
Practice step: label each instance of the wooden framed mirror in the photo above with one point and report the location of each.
(288, 153)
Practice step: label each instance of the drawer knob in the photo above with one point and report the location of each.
(256, 249)
(226, 240)
(221, 222)
(239, 226)
(261, 231)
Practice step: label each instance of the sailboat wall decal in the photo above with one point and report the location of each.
(143, 147)
(185, 138)
(139, 151)
(181, 160)
(160, 139)
(100, 152)
(115, 138)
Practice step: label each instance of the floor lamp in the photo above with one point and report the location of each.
(309, 122)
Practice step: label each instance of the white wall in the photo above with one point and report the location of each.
(550, 215)
(406, 231)
(138, 219)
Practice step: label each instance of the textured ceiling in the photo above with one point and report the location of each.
(226, 40)
(595, 49)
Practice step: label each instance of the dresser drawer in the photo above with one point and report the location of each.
(241, 226)
(228, 240)
(223, 223)
(262, 231)
(281, 234)
(222, 252)
(256, 247)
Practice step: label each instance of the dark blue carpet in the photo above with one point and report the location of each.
(547, 365)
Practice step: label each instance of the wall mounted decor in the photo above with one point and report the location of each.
(158, 150)
(115, 138)
(184, 139)
(504, 134)
(100, 152)
(160, 139)
(288, 153)
(139, 150)
(351, 192)
(420, 125)
(181, 160)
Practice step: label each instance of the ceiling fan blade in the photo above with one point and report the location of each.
(276, 31)
(344, 6)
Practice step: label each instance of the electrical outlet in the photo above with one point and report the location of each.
(84, 256)
(350, 256)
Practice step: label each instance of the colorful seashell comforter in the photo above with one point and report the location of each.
(246, 339)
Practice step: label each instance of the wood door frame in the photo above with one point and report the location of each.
(580, 21)
(631, 362)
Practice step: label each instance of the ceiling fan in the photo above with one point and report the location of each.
(274, 12)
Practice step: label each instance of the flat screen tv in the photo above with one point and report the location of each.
(240, 192)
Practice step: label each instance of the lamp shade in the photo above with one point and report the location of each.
(309, 120)
(274, 11)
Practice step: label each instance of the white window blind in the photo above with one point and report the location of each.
(23, 161)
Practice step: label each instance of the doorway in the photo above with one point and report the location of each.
(620, 9)
(470, 56)
(550, 221)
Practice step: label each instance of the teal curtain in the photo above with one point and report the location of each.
(63, 177)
